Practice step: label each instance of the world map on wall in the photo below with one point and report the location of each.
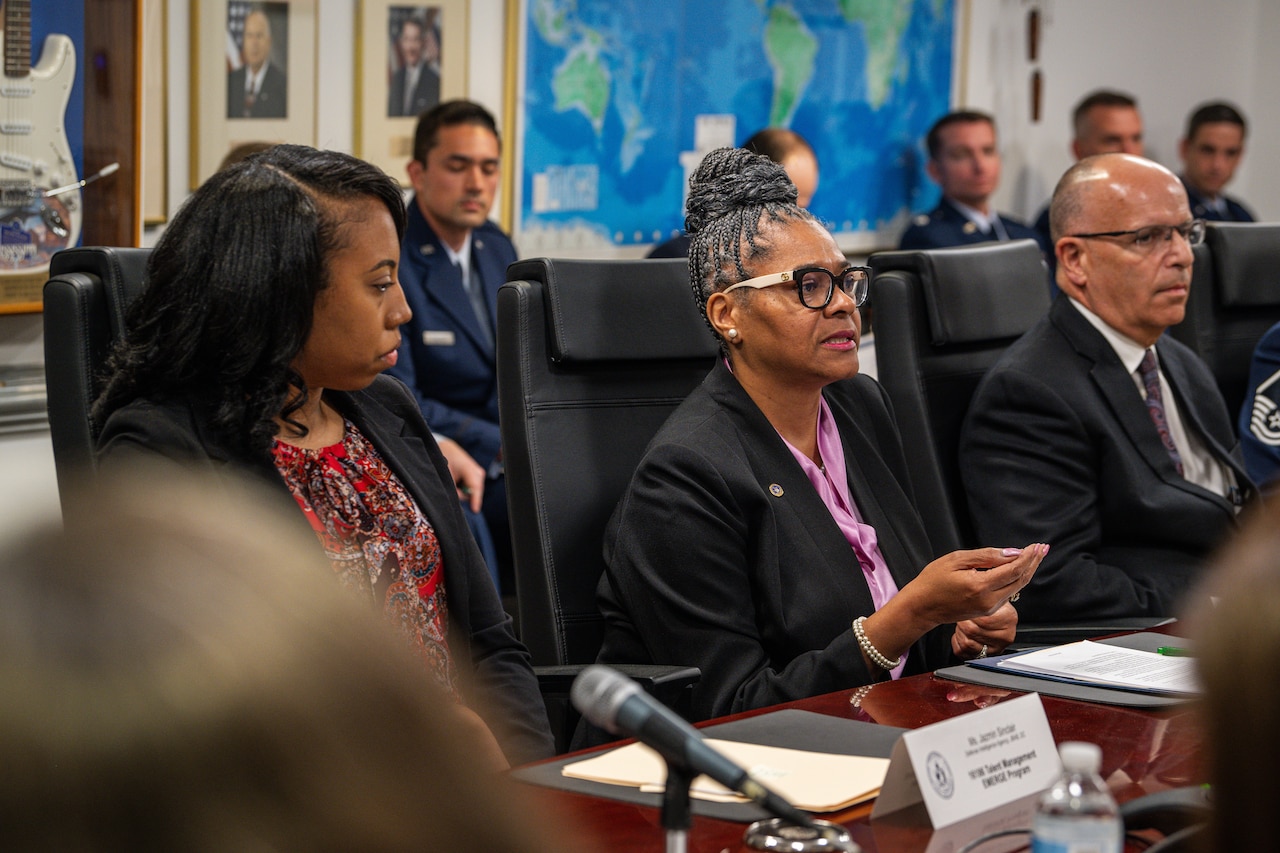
(622, 98)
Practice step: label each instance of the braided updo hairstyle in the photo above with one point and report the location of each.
(731, 195)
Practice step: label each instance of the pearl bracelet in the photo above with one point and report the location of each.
(878, 659)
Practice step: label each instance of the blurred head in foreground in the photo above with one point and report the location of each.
(1237, 643)
(180, 673)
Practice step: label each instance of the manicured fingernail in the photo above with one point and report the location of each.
(1011, 552)
(1044, 549)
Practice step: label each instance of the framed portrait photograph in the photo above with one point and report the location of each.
(253, 77)
(409, 57)
(155, 112)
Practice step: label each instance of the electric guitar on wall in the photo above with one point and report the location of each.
(35, 156)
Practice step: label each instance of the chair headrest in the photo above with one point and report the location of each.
(619, 310)
(976, 293)
(1245, 256)
(121, 270)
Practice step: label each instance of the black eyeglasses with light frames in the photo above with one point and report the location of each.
(1146, 239)
(815, 285)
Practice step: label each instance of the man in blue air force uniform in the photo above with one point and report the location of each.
(452, 262)
(1210, 152)
(965, 162)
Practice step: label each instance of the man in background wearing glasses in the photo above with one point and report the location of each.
(1096, 432)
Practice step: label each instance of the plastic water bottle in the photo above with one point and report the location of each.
(1078, 814)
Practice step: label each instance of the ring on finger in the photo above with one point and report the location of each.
(983, 653)
(1015, 596)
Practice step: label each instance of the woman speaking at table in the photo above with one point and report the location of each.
(768, 535)
(271, 309)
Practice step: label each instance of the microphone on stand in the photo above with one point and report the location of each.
(616, 704)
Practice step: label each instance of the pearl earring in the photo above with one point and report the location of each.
(733, 334)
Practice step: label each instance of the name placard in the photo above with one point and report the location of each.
(972, 763)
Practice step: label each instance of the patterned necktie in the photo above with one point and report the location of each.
(1155, 406)
(250, 97)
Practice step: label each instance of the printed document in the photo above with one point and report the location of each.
(1106, 665)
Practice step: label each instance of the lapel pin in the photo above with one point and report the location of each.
(969, 228)
(775, 490)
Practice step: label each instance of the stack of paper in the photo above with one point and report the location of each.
(1107, 666)
(813, 781)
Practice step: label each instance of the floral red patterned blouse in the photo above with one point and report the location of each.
(376, 537)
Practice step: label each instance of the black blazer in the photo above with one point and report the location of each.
(722, 555)
(500, 682)
(1058, 447)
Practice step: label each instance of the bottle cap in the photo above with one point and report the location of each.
(1080, 757)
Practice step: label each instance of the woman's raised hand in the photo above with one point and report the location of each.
(967, 585)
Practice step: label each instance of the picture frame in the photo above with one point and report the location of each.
(155, 114)
(229, 107)
(384, 123)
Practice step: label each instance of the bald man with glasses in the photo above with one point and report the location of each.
(1096, 432)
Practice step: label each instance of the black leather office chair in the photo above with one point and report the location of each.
(1235, 298)
(84, 305)
(943, 317)
(592, 358)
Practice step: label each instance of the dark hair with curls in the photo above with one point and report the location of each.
(231, 289)
(731, 194)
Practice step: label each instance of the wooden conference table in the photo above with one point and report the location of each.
(1143, 751)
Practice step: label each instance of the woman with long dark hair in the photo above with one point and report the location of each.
(257, 347)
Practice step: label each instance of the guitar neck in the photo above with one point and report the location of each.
(17, 38)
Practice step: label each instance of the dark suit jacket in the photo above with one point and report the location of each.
(272, 100)
(708, 568)
(1200, 209)
(500, 678)
(1058, 447)
(445, 358)
(946, 226)
(426, 94)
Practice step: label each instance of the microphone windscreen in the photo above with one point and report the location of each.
(598, 692)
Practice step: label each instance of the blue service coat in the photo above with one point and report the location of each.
(1200, 209)
(1260, 416)
(946, 226)
(445, 357)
